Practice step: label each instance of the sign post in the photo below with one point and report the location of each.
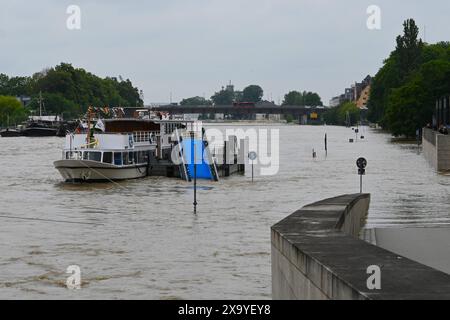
(252, 156)
(361, 164)
(195, 171)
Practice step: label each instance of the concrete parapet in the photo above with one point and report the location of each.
(316, 254)
(436, 149)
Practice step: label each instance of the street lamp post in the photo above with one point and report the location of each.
(195, 171)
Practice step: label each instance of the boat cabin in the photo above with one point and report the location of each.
(123, 141)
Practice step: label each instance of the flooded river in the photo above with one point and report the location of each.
(141, 240)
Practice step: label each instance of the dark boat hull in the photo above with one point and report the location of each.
(10, 133)
(39, 132)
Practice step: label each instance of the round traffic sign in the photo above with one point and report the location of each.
(361, 163)
(252, 155)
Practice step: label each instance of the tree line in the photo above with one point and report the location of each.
(412, 78)
(345, 114)
(254, 94)
(69, 91)
(11, 111)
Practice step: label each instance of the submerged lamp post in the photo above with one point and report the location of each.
(195, 172)
(362, 164)
(252, 156)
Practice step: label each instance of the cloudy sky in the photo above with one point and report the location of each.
(193, 47)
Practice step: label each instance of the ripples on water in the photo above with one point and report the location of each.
(139, 239)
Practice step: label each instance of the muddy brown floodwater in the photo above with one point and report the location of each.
(140, 239)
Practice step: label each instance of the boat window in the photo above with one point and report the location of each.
(95, 156)
(85, 155)
(131, 157)
(118, 158)
(137, 157)
(107, 157)
(73, 155)
(125, 158)
(145, 156)
(141, 157)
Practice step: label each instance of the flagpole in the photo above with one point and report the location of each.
(88, 138)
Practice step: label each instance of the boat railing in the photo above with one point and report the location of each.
(187, 134)
(144, 136)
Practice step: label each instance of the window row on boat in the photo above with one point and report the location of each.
(117, 158)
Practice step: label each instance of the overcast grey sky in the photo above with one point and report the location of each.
(193, 47)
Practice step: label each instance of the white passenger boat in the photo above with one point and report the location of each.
(121, 151)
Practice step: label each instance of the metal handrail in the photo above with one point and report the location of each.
(144, 136)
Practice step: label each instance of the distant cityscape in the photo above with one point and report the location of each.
(358, 93)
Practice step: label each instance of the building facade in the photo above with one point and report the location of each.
(359, 93)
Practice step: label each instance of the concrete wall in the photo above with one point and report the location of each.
(443, 152)
(430, 152)
(436, 149)
(316, 255)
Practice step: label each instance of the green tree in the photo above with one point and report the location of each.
(223, 98)
(57, 104)
(311, 99)
(296, 98)
(68, 90)
(339, 115)
(292, 98)
(331, 116)
(11, 111)
(409, 48)
(15, 86)
(404, 91)
(348, 110)
(396, 69)
(195, 101)
(289, 118)
(252, 93)
(411, 106)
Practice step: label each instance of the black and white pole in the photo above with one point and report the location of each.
(418, 136)
(361, 164)
(252, 156)
(195, 171)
